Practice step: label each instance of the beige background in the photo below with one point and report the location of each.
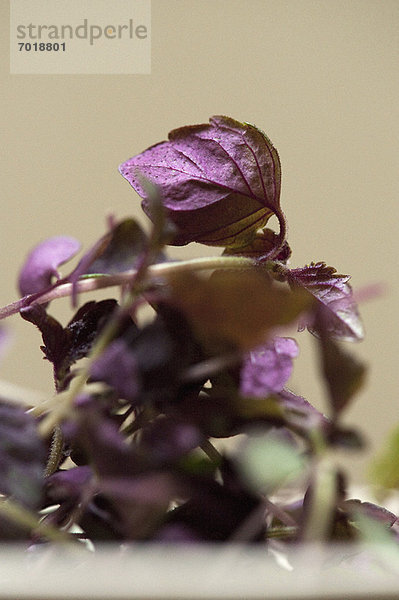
(100, 37)
(320, 77)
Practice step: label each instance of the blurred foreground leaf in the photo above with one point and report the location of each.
(384, 470)
(240, 308)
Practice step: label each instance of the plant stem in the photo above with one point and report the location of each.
(282, 532)
(29, 520)
(280, 513)
(55, 455)
(92, 283)
(212, 453)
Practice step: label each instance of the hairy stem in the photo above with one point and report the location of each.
(92, 283)
(55, 455)
(280, 238)
(282, 532)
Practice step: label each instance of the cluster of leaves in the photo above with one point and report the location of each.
(126, 449)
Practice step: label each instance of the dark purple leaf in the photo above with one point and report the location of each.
(101, 522)
(147, 365)
(22, 456)
(69, 484)
(133, 477)
(64, 346)
(343, 373)
(43, 261)
(300, 412)
(85, 326)
(118, 250)
(222, 415)
(153, 489)
(267, 368)
(162, 442)
(168, 439)
(55, 337)
(333, 292)
(163, 350)
(175, 533)
(108, 452)
(219, 182)
(217, 512)
(126, 244)
(117, 366)
(74, 491)
(140, 502)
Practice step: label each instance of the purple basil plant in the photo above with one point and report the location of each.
(128, 449)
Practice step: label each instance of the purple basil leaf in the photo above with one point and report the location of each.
(71, 484)
(55, 338)
(161, 443)
(343, 373)
(64, 346)
(222, 414)
(333, 292)
(108, 453)
(163, 350)
(267, 368)
(176, 534)
(118, 250)
(167, 440)
(373, 511)
(72, 490)
(298, 406)
(85, 326)
(146, 365)
(101, 522)
(22, 456)
(216, 512)
(152, 488)
(219, 182)
(117, 366)
(145, 362)
(127, 243)
(43, 261)
(132, 477)
(76, 493)
(140, 502)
